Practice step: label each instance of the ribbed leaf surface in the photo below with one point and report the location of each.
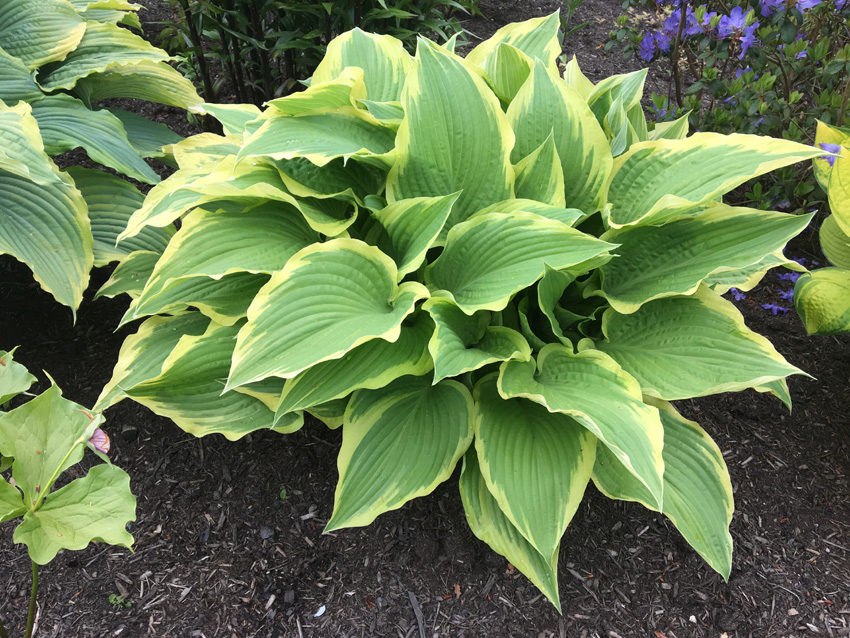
(16, 81)
(152, 81)
(537, 38)
(39, 31)
(822, 299)
(539, 176)
(835, 243)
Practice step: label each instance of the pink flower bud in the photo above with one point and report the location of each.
(100, 441)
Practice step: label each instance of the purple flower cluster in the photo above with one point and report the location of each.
(835, 149)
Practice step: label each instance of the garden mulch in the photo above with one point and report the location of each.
(219, 553)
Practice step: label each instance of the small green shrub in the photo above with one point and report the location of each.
(463, 258)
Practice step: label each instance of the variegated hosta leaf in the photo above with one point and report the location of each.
(748, 277)
(673, 259)
(462, 343)
(443, 147)
(16, 81)
(329, 299)
(536, 463)
(330, 413)
(21, 146)
(546, 105)
(507, 69)
(656, 180)
(382, 57)
(593, 389)
(539, 175)
(338, 178)
(822, 299)
(675, 130)
(39, 31)
(828, 134)
(705, 334)
(14, 378)
(343, 90)
(578, 80)
(697, 489)
(372, 365)
(489, 523)
(568, 216)
(111, 201)
(189, 388)
(835, 243)
(96, 507)
(130, 276)
(399, 442)
(142, 355)
(838, 190)
(152, 81)
(490, 257)
(233, 117)
(536, 38)
(147, 137)
(550, 289)
(617, 92)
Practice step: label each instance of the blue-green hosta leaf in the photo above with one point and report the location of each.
(147, 137)
(127, 18)
(372, 365)
(673, 259)
(546, 105)
(189, 388)
(835, 243)
(697, 489)
(142, 355)
(152, 81)
(536, 38)
(539, 175)
(445, 146)
(822, 299)
(399, 442)
(16, 81)
(11, 501)
(341, 91)
(233, 117)
(383, 59)
(39, 31)
(96, 507)
(568, 216)
(462, 343)
(14, 378)
(656, 180)
(407, 229)
(329, 299)
(111, 201)
(489, 523)
(593, 389)
(130, 276)
(703, 334)
(507, 69)
(21, 146)
(490, 257)
(536, 463)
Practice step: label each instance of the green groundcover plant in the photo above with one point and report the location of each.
(39, 441)
(58, 60)
(469, 259)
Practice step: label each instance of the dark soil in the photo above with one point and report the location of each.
(219, 553)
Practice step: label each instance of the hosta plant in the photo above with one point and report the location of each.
(58, 60)
(39, 441)
(473, 259)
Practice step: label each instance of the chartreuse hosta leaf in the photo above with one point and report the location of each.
(341, 91)
(705, 335)
(489, 523)
(536, 463)
(835, 243)
(595, 391)
(398, 443)
(575, 78)
(369, 366)
(21, 146)
(14, 378)
(490, 257)
(675, 130)
(546, 105)
(697, 489)
(838, 190)
(329, 298)
(568, 216)
(822, 299)
(539, 175)
(445, 146)
(507, 69)
(536, 38)
(617, 92)
(673, 259)
(462, 343)
(39, 31)
(656, 180)
(828, 134)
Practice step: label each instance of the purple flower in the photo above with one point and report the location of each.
(788, 295)
(647, 47)
(789, 276)
(767, 6)
(732, 24)
(749, 39)
(800, 260)
(803, 5)
(741, 72)
(775, 309)
(692, 26)
(100, 441)
(835, 149)
(737, 295)
(839, 4)
(706, 20)
(758, 122)
(663, 42)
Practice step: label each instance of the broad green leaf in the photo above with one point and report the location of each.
(338, 178)
(111, 201)
(127, 18)
(655, 180)
(330, 413)
(96, 507)
(546, 105)
(673, 259)
(489, 523)
(329, 299)
(536, 463)
(11, 501)
(822, 299)
(233, 117)
(14, 378)
(623, 91)
(595, 391)
(462, 343)
(839, 191)
(341, 91)
(21, 146)
(507, 69)
(407, 229)
(568, 216)
(130, 276)
(383, 59)
(142, 355)
(445, 146)
(66, 123)
(103, 47)
(835, 243)
(389, 114)
(152, 81)
(749, 277)
(147, 137)
(675, 130)
(537, 38)
(826, 134)
(16, 81)
(189, 388)
(39, 31)
(576, 79)
(539, 175)
(705, 334)
(697, 489)
(550, 289)
(490, 257)
(371, 365)
(46, 227)
(398, 443)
